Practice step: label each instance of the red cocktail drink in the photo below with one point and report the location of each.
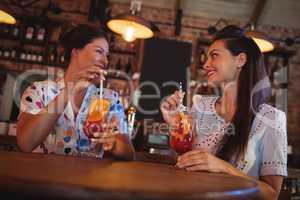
(181, 136)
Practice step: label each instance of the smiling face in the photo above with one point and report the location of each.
(221, 66)
(94, 53)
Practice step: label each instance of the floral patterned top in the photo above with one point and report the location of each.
(68, 137)
(266, 152)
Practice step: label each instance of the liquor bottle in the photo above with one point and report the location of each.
(62, 59)
(28, 56)
(52, 55)
(202, 58)
(118, 68)
(34, 57)
(130, 120)
(128, 66)
(1, 52)
(40, 57)
(29, 32)
(13, 53)
(41, 34)
(23, 55)
(119, 65)
(6, 53)
(15, 31)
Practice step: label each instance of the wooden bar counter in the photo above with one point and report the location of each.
(37, 176)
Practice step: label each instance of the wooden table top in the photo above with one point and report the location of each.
(59, 177)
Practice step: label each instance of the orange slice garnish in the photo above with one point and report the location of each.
(98, 110)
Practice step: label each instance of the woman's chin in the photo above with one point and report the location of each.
(213, 82)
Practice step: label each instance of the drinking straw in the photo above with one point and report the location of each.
(181, 106)
(101, 90)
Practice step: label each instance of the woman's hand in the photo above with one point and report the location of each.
(116, 143)
(108, 136)
(201, 160)
(82, 79)
(107, 139)
(170, 107)
(78, 82)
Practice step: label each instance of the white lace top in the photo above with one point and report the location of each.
(266, 152)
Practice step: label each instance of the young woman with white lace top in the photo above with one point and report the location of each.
(237, 133)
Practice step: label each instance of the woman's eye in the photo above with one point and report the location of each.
(99, 51)
(214, 55)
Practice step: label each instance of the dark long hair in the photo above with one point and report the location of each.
(76, 37)
(252, 74)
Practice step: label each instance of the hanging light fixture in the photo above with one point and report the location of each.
(6, 18)
(261, 39)
(131, 26)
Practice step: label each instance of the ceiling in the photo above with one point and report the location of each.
(282, 13)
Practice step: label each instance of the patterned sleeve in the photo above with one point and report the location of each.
(117, 110)
(274, 144)
(32, 100)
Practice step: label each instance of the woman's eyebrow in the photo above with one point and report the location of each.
(97, 46)
(212, 51)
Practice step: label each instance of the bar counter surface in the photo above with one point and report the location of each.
(37, 176)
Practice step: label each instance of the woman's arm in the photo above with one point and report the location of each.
(201, 160)
(123, 148)
(32, 129)
(269, 186)
(117, 144)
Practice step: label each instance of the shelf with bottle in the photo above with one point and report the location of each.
(11, 32)
(31, 42)
(25, 32)
(122, 63)
(56, 56)
(50, 56)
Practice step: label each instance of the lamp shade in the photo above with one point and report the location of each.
(131, 27)
(6, 18)
(261, 40)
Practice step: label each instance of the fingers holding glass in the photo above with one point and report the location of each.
(106, 138)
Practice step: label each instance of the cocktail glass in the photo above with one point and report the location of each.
(181, 134)
(97, 121)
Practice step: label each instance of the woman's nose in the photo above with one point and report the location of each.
(105, 61)
(206, 64)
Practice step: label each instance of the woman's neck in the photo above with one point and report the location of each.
(228, 102)
(70, 73)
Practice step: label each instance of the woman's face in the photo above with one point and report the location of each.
(221, 66)
(94, 53)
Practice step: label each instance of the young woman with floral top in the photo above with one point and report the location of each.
(53, 113)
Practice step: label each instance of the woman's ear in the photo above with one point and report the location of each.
(241, 60)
